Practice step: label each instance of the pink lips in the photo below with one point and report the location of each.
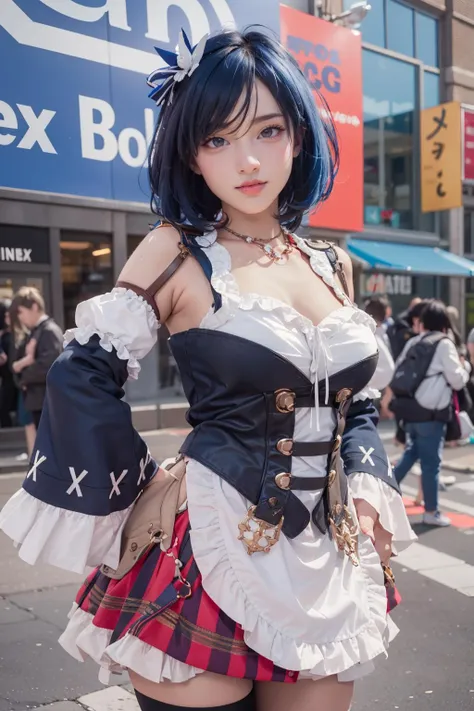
(252, 187)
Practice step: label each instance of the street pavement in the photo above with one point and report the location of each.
(430, 665)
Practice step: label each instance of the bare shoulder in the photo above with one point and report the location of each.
(152, 256)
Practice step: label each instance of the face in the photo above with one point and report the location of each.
(28, 317)
(248, 168)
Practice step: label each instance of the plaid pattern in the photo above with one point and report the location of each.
(193, 630)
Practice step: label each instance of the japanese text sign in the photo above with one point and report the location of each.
(330, 56)
(441, 169)
(468, 124)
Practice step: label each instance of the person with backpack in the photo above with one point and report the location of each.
(405, 326)
(426, 374)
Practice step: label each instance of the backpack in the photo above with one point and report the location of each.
(410, 373)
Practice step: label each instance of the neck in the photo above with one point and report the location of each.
(263, 226)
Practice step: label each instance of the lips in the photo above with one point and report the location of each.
(252, 187)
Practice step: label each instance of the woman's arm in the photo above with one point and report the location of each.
(89, 463)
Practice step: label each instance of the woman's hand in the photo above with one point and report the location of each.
(370, 525)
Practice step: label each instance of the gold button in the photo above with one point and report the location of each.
(273, 501)
(285, 400)
(337, 442)
(134, 546)
(283, 480)
(285, 446)
(332, 477)
(343, 394)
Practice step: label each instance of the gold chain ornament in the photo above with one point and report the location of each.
(345, 534)
(258, 536)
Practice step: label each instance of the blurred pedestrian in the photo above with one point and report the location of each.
(43, 345)
(23, 417)
(8, 389)
(426, 374)
(377, 307)
(405, 326)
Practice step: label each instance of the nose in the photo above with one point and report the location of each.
(247, 162)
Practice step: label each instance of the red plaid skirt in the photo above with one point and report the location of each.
(177, 618)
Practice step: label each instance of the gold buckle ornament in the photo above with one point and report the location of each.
(285, 400)
(258, 536)
(345, 533)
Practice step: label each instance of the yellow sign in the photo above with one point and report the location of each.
(441, 168)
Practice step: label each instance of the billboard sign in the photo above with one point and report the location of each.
(468, 144)
(74, 114)
(441, 166)
(330, 56)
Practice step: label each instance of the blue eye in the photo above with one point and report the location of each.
(215, 142)
(271, 131)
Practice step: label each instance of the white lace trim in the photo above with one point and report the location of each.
(67, 539)
(220, 581)
(226, 285)
(388, 504)
(367, 394)
(123, 320)
(82, 639)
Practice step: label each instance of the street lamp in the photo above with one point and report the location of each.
(350, 18)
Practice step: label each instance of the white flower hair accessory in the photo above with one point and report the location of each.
(180, 65)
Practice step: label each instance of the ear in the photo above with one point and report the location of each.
(195, 168)
(298, 144)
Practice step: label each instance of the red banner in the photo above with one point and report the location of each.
(468, 144)
(330, 56)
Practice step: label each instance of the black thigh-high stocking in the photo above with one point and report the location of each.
(148, 704)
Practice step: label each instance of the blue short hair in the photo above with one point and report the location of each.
(202, 106)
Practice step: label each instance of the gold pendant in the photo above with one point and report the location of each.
(258, 536)
(345, 534)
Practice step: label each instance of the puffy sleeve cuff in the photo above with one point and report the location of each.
(388, 504)
(88, 467)
(67, 539)
(123, 320)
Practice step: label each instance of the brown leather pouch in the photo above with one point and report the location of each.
(151, 520)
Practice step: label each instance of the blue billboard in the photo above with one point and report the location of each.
(74, 114)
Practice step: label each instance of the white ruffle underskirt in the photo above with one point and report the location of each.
(70, 540)
(279, 613)
(83, 639)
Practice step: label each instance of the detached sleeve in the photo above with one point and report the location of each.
(370, 472)
(89, 463)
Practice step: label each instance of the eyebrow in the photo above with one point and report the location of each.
(266, 117)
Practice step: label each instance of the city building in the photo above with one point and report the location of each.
(74, 137)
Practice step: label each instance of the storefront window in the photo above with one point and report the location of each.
(86, 268)
(431, 95)
(373, 26)
(400, 34)
(468, 232)
(389, 102)
(427, 39)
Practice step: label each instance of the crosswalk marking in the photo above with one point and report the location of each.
(112, 698)
(445, 569)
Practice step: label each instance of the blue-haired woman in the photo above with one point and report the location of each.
(270, 593)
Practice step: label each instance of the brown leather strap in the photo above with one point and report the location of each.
(342, 278)
(149, 293)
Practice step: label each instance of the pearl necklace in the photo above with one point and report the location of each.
(267, 249)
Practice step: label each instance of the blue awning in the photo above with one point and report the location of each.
(410, 258)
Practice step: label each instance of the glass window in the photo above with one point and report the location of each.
(372, 27)
(400, 34)
(430, 90)
(427, 39)
(389, 103)
(86, 268)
